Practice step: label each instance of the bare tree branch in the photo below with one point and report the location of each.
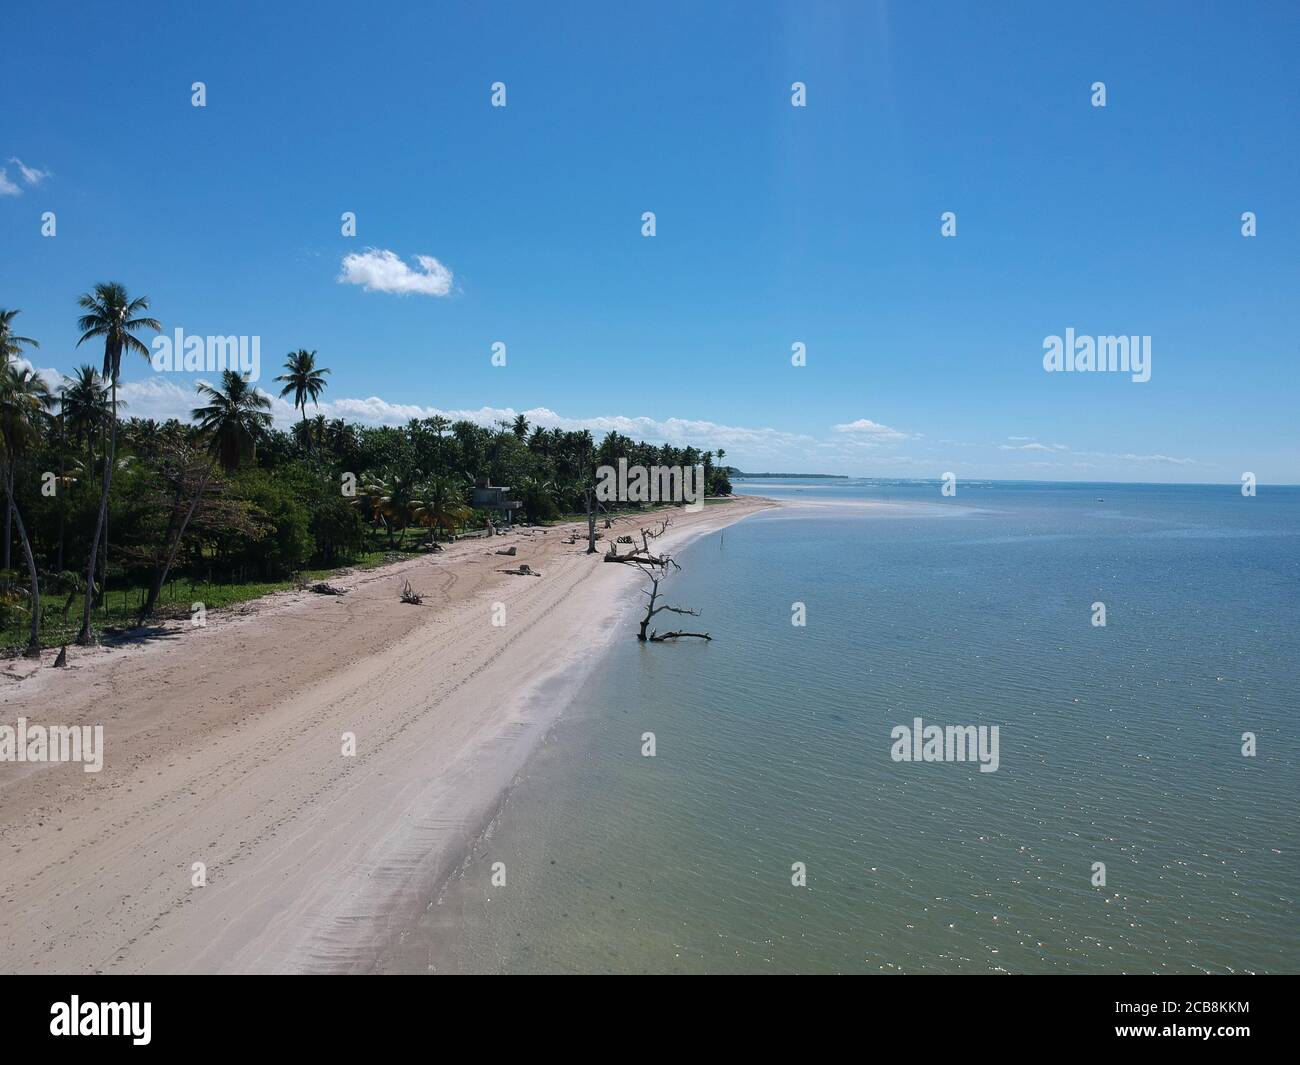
(653, 606)
(656, 638)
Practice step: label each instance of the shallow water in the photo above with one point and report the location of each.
(1119, 744)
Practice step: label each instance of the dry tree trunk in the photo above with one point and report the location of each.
(653, 606)
(591, 525)
(642, 553)
(657, 638)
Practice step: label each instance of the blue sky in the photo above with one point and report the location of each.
(775, 224)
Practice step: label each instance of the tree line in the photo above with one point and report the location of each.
(96, 499)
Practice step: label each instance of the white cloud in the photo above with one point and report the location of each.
(379, 270)
(867, 428)
(1157, 458)
(29, 174)
(163, 396)
(158, 398)
(48, 374)
(1035, 446)
(680, 431)
(1112, 456)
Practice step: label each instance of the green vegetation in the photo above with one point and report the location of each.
(224, 508)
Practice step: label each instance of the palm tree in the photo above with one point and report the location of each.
(520, 426)
(10, 345)
(10, 348)
(342, 437)
(25, 402)
(83, 406)
(439, 425)
(393, 498)
(234, 420)
(310, 432)
(443, 506)
(539, 497)
(304, 379)
(371, 501)
(113, 315)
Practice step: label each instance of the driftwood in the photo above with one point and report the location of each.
(410, 595)
(511, 550)
(657, 638)
(325, 588)
(522, 571)
(653, 606)
(640, 554)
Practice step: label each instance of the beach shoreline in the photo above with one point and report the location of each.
(224, 760)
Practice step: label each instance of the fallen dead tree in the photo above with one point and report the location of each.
(640, 554)
(410, 595)
(523, 570)
(325, 588)
(653, 606)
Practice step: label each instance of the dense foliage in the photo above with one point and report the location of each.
(226, 497)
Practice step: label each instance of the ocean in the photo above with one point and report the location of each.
(773, 830)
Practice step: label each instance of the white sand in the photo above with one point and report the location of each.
(223, 746)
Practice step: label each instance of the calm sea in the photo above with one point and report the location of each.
(1118, 744)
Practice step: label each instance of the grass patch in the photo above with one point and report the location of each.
(120, 608)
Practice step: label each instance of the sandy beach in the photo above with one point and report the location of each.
(223, 745)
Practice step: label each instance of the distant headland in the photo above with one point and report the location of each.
(732, 471)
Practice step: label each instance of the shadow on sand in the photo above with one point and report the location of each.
(115, 637)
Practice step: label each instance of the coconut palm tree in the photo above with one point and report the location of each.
(371, 501)
(113, 315)
(393, 497)
(25, 403)
(440, 425)
(443, 505)
(519, 426)
(304, 379)
(310, 432)
(235, 419)
(11, 346)
(341, 436)
(83, 406)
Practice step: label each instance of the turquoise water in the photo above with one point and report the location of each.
(1119, 744)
